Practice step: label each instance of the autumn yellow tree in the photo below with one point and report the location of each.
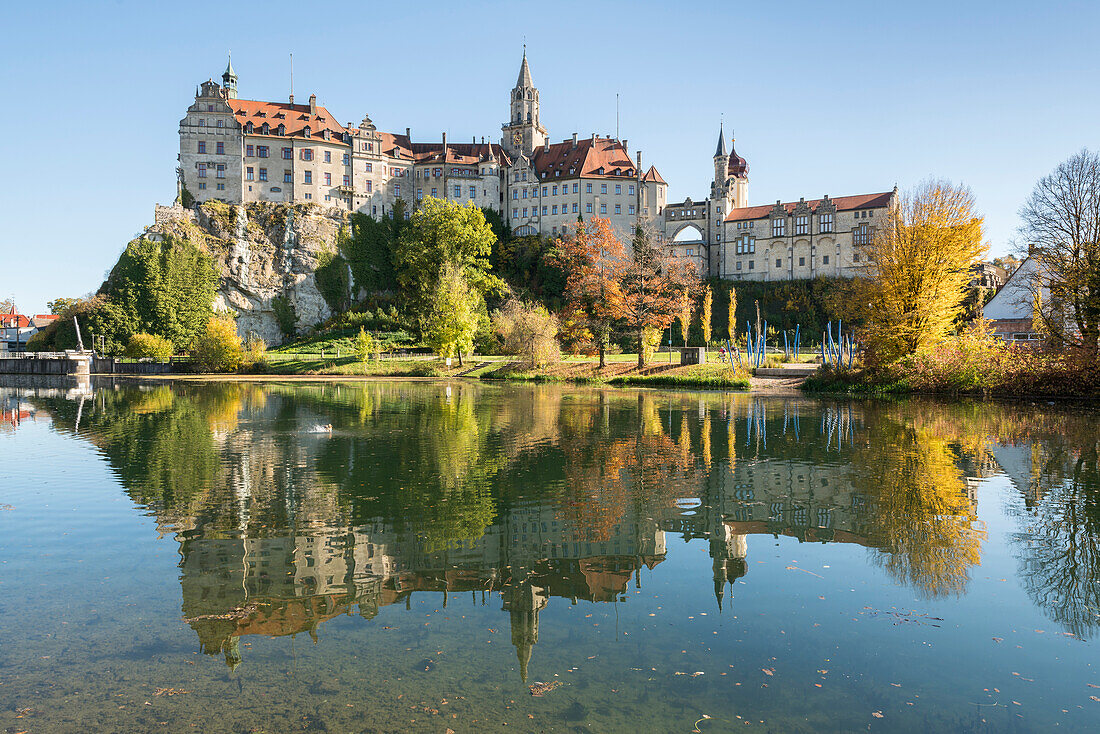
(918, 266)
(731, 327)
(684, 314)
(704, 314)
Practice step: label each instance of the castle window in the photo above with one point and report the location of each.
(574, 207)
(347, 180)
(221, 187)
(824, 259)
(515, 213)
(738, 264)
(266, 129)
(576, 188)
(630, 209)
(600, 171)
(618, 188)
(618, 209)
(588, 188)
(202, 123)
(328, 156)
(261, 151)
(473, 191)
(544, 211)
(370, 186)
(307, 154)
(554, 209)
(248, 150)
(202, 146)
(202, 185)
(525, 211)
(779, 227)
(778, 263)
(263, 174)
(309, 196)
(419, 194)
(347, 159)
(248, 173)
(282, 129)
(248, 127)
(221, 123)
(369, 167)
(308, 177)
(435, 192)
(287, 154)
(515, 194)
(855, 258)
(458, 191)
(544, 191)
(588, 207)
(826, 221)
(202, 170)
(801, 262)
(220, 170)
(328, 179)
(287, 177)
(603, 188)
(802, 224)
(209, 108)
(752, 264)
(220, 148)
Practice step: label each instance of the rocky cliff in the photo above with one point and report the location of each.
(263, 251)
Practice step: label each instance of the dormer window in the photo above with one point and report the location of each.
(307, 132)
(600, 170)
(326, 134)
(248, 128)
(282, 129)
(266, 129)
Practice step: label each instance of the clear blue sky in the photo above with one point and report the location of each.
(825, 98)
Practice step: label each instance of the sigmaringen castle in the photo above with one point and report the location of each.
(238, 151)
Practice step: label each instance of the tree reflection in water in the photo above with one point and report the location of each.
(533, 493)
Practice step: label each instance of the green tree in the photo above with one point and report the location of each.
(369, 249)
(332, 277)
(149, 346)
(61, 306)
(163, 287)
(218, 348)
(285, 315)
(453, 317)
(441, 235)
(364, 345)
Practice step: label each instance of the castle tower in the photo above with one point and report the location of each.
(229, 80)
(721, 162)
(523, 132)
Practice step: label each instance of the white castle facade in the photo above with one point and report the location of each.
(240, 151)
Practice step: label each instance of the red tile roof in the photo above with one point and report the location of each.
(399, 146)
(295, 117)
(585, 160)
(842, 203)
(652, 175)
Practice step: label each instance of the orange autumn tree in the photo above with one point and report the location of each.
(656, 285)
(594, 261)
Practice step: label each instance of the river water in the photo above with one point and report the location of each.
(429, 556)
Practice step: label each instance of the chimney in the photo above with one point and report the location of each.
(546, 145)
(292, 100)
(473, 140)
(574, 140)
(639, 164)
(444, 147)
(313, 104)
(594, 136)
(625, 146)
(407, 135)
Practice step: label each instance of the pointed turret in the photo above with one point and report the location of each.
(229, 80)
(524, 81)
(721, 149)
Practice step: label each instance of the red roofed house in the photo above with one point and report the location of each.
(729, 239)
(17, 328)
(238, 150)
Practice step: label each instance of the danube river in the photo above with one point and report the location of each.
(433, 557)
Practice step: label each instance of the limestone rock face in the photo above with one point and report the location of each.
(263, 251)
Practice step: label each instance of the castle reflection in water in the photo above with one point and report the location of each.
(281, 528)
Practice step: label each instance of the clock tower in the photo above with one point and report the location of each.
(523, 132)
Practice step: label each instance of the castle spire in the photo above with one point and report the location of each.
(229, 79)
(524, 81)
(721, 150)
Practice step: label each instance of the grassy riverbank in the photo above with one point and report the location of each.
(973, 366)
(706, 376)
